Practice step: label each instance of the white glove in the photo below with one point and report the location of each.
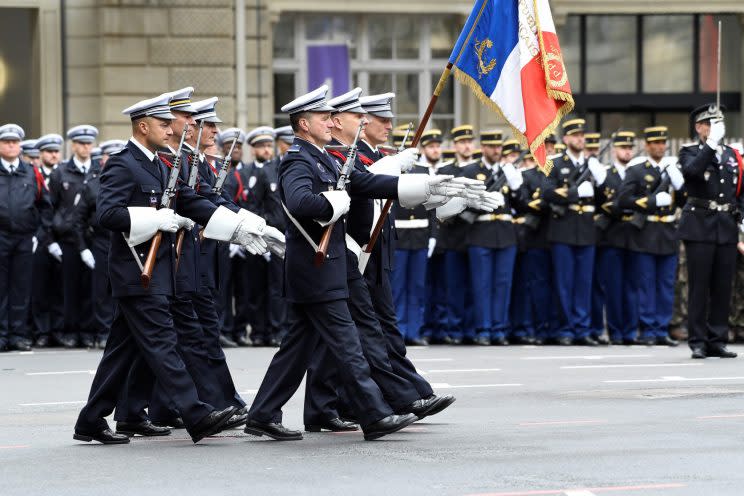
(340, 202)
(663, 199)
(488, 202)
(88, 258)
(451, 187)
(267, 256)
(276, 241)
(253, 243)
(597, 170)
(585, 190)
(741, 227)
(513, 176)
(432, 245)
(407, 159)
(167, 220)
(675, 175)
(185, 223)
(55, 251)
(236, 249)
(34, 244)
(717, 132)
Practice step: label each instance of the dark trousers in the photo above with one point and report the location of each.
(15, 287)
(382, 301)
(615, 269)
(457, 292)
(331, 323)
(142, 330)
(532, 294)
(103, 303)
(47, 307)
(194, 349)
(654, 277)
(277, 320)
(573, 267)
(435, 312)
(710, 275)
(322, 383)
(76, 283)
(409, 290)
(491, 272)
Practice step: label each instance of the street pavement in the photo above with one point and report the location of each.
(570, 421)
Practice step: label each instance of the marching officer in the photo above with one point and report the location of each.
(708, 228)
(143, 338)
(614, 259)
(569, 188)
(25, 221)
(492, 244)
(47, 306)
(108, 148)
(65, 183)
(652, 189)
(30, 153)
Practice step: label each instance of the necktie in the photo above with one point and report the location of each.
(12, 169)
(159, 167)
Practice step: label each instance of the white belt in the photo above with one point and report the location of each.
(492, 217)
(411, 223)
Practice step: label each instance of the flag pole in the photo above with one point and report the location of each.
(416, 138)
(718, 70)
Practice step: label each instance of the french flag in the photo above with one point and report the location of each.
(508, 54)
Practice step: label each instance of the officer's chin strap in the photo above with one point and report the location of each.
(300, 228)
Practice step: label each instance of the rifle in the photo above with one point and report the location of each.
(221, 177)
(165, 202)
(638, 220)
(325, 239)
(193, 175)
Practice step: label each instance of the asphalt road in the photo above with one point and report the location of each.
(527, 421)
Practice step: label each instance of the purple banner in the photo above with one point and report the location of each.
(329, 64)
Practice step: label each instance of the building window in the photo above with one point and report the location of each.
(667, 49)
(404, 54)
(19, 82)
(611, 62)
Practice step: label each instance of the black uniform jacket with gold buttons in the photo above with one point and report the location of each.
(576, 226)
(638, 191)
(452, 233)
(713, 176)
(530, 202)
(495, 229)
(619, 229)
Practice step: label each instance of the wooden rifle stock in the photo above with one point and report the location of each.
(323, 246)
(150, 261)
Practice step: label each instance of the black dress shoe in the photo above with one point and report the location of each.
(144, 428)
(523, 340)
(20, 345)
(3, 345)
(272, 430)
(698, 353)
(388, 425)
(631, 341)
(417, 342)
(333, 425)
(648, 341)
(211, 424)
(173, 423)
(87, 341)
(586, 341)
(602, 340)
(41, 341)
(258, 342)
(242, 341)
(617, 341)
(237, 420)
(273, 342)
(666, 341)
(455, 340)
(444, 402)
(106, 436)
(499, 342)
(565, 341)
(720, 351)
(101, 343)
(68, 342)
(482, 341)
(538, 341)
(226, 342)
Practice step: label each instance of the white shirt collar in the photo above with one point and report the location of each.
(150, 156)
(82, 166)
(576, 160)
(7, 164)
(652, 162)
(373, 148)
(620, 169)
